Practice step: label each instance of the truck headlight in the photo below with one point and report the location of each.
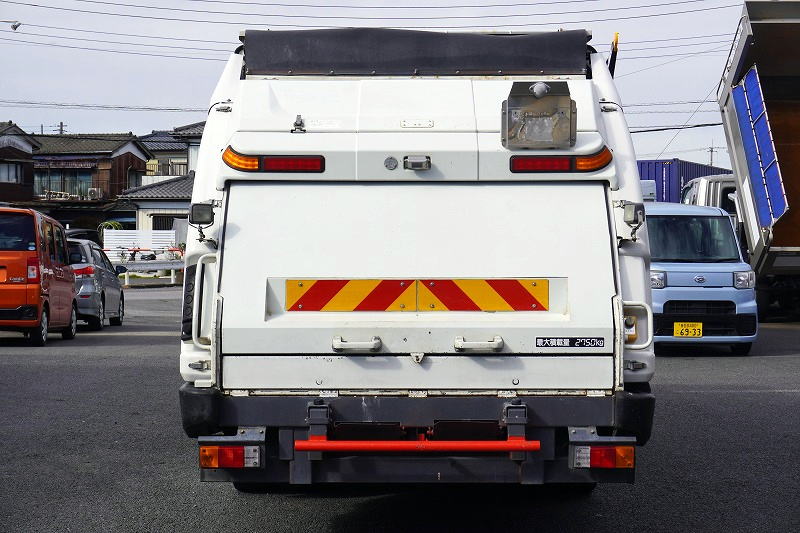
(658, 280)
(744, 280)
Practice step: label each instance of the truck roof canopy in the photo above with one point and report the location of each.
(391, 52)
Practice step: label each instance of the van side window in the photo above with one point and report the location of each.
(61, 247)
(50, 239)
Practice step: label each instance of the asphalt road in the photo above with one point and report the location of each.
(91, 441)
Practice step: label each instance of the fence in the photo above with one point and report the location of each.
(120, 243)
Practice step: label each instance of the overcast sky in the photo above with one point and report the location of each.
(649, 69)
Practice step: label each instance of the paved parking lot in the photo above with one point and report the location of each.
(92, 442)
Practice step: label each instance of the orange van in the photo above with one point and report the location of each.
(37, 284)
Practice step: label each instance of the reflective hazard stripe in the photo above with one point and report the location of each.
(484, 295)
(351, 295)
(526, 294)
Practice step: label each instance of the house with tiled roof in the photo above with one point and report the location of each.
(158, 205)
(174, 151)
(16, 163)
(88, 167)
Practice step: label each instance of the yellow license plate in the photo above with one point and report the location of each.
(687, 329)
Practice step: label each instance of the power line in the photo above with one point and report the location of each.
(213, 49)
(675, 111)
(716, 49)
(473, 26)
(117, 42)
(359, 17)
(232, 43)
(116, 107)
(111, 51)
(687, 121)
(351, 6)
(681, 45)
(638, 104)
(118, 34)
(683, 54)
(670, 128)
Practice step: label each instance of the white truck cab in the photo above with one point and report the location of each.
(416, 257)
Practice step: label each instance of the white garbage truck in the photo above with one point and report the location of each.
(416, 257)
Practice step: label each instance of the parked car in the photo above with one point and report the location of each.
(98, 288)
(703, 291)
(82, 233)
(37, 283)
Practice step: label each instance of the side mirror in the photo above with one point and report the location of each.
(119, 269)
(634, 214)
(201, 214)
(75, 257)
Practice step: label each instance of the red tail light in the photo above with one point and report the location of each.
(33, 270)
(535, 163)
(561, 163)
(229, 456)
(84, 272)
(273, 163)
(300, 163)
(611, 457)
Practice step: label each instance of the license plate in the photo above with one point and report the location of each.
(687, 329)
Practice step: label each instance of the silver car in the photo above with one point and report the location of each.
(99, 291)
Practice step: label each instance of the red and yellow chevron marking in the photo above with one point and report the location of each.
(417, 295)
(351, 295)
(484, 295)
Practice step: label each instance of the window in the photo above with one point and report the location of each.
(164, 222)
(61, 247)
(96, 257)
(692, 239)
(16, 232)
(51, 240)
(62, 181)
(75, 251)
(10, 173)
(107, 261)
(725, 202)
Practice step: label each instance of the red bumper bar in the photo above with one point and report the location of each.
(321, 444)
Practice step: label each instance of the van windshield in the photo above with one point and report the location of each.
(16, 232)
(692, 239)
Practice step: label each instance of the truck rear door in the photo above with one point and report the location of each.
(499, 285)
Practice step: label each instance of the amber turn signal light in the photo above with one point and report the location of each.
(235, 160)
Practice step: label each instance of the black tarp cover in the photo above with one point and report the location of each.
(390, 52)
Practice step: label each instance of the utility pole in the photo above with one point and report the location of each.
(61, 128)
(711, 151)
(41, 129)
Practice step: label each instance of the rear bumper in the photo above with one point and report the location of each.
(276, 423)
(19, 318)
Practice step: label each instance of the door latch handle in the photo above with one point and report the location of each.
(493, 345)
(372, 345)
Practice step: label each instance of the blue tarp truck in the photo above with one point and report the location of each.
(759, 97)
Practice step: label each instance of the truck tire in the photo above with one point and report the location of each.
(742, 348)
